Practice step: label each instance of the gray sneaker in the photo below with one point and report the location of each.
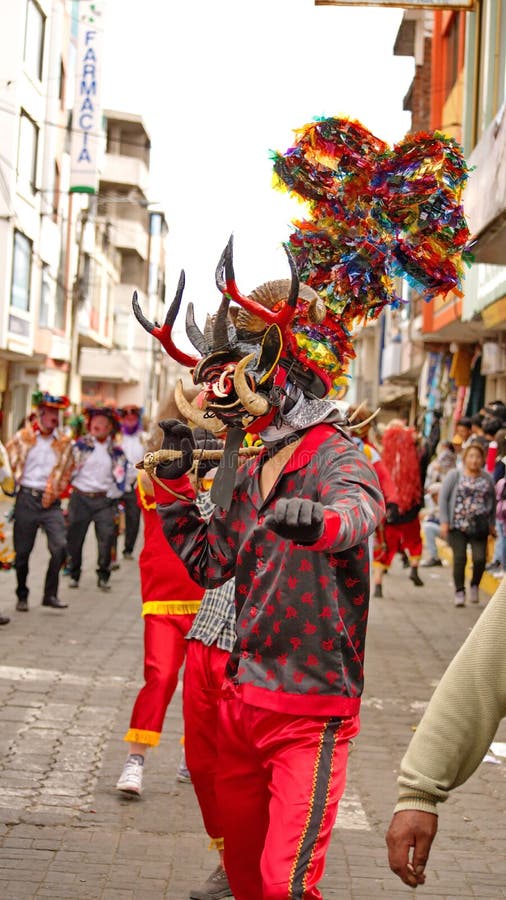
(215, 888)
(460, 598)
(474, 593)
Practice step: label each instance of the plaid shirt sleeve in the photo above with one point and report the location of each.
(215, 620)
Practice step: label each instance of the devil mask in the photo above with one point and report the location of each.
(248, 353)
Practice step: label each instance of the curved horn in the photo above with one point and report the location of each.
(365, 422)
(193, 331)
(220, 329)
(225, 280)
(164, 333)
(356, 412)
(253, 403)
(224, 263)
(291, 303)
(139, 315)
(195, 416)
(316, 310)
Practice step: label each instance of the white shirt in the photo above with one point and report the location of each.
(40, 462)
(95, 475)
(133, 449)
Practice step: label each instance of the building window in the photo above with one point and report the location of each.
(56, 192)
(21, 272)
(61, 86)
(27, 150)
(34, 39)
(60, 294)
(155, 224)
(45, 298)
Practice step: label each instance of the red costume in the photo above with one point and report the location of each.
(170, 600)
(293, 527)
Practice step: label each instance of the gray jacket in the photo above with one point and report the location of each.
(448, 494)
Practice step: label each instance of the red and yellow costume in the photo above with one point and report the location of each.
(170, 600)
(402, 460)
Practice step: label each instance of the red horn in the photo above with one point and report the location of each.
(164, 333)
(225, 279)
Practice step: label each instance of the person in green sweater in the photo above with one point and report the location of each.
(451, 740)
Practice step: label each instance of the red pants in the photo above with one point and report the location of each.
(164, 652)
(391, 539)
(203, 681)
(279, 784)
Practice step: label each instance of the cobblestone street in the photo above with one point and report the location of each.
(67, 683)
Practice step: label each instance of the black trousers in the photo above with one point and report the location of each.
(132, 520)
(29, 516)
(82, 511)
(458, 541)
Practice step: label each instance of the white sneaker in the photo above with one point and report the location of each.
(460, 598)
(130, 779)
(474, 593)
(183, 773)
(497, 573)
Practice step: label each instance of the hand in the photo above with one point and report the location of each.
(493, 531)
(205, 440)
(409, 839)
(176, 436)
(298, 520)
(443, 531)
(392, 513)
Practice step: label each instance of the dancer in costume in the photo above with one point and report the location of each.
(406, 460)
(40, 456)
(97, 484)
(292, 527)
(169, 604)
(132, 441)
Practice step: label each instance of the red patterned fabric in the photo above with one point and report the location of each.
(280, 781)
(301, 614)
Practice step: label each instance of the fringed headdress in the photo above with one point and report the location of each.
(374, 214)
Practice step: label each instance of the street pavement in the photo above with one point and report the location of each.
(67, 683)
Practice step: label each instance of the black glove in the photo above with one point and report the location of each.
(298, 520)
(392, 513)
(176, 436)
(205, 440)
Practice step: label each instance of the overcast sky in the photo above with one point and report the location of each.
(219, 83)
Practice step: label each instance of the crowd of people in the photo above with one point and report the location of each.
(450, 491)
(63, 477)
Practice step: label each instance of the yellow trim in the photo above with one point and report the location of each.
(138, 736)
(170, 607)
(143, 494)
(216, 844)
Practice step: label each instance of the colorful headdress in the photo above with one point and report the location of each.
(107, 411)
(44, 398)
(374, 214)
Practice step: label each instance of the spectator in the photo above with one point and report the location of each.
(463, 428)
(431, 527)
(450, 741)
(467, 515)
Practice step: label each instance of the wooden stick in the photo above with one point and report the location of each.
(154, 458)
